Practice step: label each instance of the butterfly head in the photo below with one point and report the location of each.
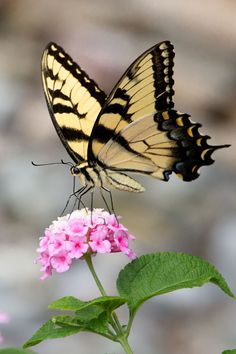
(86, 174)
(79, 169)
(75, 170)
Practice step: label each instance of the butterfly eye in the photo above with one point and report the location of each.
(75, 170)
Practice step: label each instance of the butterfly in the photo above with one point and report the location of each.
(134, 129)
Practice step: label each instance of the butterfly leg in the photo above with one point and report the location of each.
(91, 205)
(80, 190)
(105, 202)
(111, 201)
(77, 198)
(85, 190)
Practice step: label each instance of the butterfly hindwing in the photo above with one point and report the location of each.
(141, 147)
(158, 145)
(74, 100)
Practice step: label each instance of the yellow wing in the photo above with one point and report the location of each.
(135, 129)
(158, 145)
(138, 131)
(74, 100)
(145, 88)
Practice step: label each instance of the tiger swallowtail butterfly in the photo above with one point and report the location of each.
(133, 129)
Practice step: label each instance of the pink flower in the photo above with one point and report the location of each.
(78, 248)
(70, 237)
(76, 227)
(61, 262)
(99, 245)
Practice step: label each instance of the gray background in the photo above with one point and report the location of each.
(198, 217)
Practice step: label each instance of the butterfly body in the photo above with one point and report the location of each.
(135, 129)
(97, 176)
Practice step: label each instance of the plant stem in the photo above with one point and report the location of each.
(94, 274)
(124, 342)
(121, 336)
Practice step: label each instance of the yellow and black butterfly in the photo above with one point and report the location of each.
(134, 129)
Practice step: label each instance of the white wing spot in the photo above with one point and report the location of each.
(166, 79)
(53, 47)
(163, 46)
(165, 54)
(166, 62)
(166, 70)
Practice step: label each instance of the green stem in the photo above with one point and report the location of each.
(121, 337)
(124, 343)
(94, 274)
(131, 318)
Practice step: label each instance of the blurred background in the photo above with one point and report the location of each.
(104, 37)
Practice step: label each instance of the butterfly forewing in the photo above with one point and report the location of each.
(145, 88)
(74, 100)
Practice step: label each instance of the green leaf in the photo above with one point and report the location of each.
(71, 303)
(93, 321)
(90, 313)
(66, 321)
(160, 273)
(230, 351)
(90, 316)
(51, 329)
(15, 351)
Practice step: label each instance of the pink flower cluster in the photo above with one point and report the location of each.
(84, 231)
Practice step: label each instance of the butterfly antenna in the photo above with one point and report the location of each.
(67, 163)
(51, 163)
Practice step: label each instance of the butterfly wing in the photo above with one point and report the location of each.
(74, 100)
(158, 145)
(138, 131)
(145, 88)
